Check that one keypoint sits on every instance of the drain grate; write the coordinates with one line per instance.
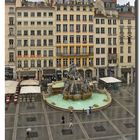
(99, 128)
(31, 119)
(67, 132)
(129, 125)
(33, 134)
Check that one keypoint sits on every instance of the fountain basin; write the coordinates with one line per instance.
(96, 101)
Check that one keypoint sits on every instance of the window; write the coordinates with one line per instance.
(121, 21)
(25, 63)
(65, 50)
(65, 17)
(97, 40)
(71, 18)
(65, 8)
(58, 50)
(32, 63)
(97, 21)
(19, 23)
(84, 18)
(102, 61)
(58, 62)
(19, 64)
(11, 41)
(102, 21)
(71, 27)
(97, 50)
(78, 62)
(19, 53)
(109, 41)
(129, 59)
(102, 50)
(90, 39)
(32, 14)
(84, 28)
(84, 38)
(44, 42)
(50, 23)
(129, 30)
(11, 57)
(39, 53)
(91, 50)
(110, 50)
(38, 42)
(78, 8)
(90, 28)
(32, 23)
(71, 61)
(129, 21)
(109, 21)
(78, 28)
(102, 40)
(71, 50)
(25, 22)
(84, 61)
(121, 59)
(19, 43)
(44, 23)
(50, 14)
(114, 31)
(71, 8)
(11, 20)
(50, 32)
(44, 32)
(58, 8)
(25, 32)
(58, 39)
(58, 17)
(102, 30)
(32, 32)
(38, 63)
(84, 8)
(84, 50)
(25, 43)
(19, 14)
(64, 27)
(51, 42)
(129, 40)
(78, 50)
(65, 62)
(78, 38)
(25, 14)
(77, 17)
(32, 53)
(114, 41)
(45, 63)
(32, 43)
(114, 21)
(97, 30)
(58, 27)
(114, 50)
(44, 14)
(25, 53)
(90, 61)
(121, 40)
(38, 14)
(129, 49)
(97, 61)
(50, 63)
(11, 31)
(38, 23)
(121, 49)
(44, 53)
(90, 18)
(65, 39)
(71, 39)
(109, 31)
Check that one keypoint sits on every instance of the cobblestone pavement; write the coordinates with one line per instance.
(117, 122)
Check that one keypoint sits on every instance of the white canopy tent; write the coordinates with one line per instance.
(10, 87)
(110, 80)
(30, 89)
(29, 82)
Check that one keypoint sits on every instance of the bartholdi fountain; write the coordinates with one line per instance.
(76, 93)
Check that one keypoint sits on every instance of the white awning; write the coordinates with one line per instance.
(30, 89)
(29, 82)
(10, 87)
(110, 80)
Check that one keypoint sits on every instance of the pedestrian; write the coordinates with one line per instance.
(63, 119)
(70, 125)
(28, 131)
(87, 112)
(89, 109)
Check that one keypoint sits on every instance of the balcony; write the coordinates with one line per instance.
(11, 13)
(11, 35)
(74, 54)
(112, 56)
(11, 47)
(121, 43)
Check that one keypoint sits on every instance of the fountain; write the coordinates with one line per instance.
(76, 93)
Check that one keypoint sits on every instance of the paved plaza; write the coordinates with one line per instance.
(117, 122)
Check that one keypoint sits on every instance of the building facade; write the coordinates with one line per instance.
(44, 38)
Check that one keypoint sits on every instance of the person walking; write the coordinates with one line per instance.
(70, 125)
(87, 112)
